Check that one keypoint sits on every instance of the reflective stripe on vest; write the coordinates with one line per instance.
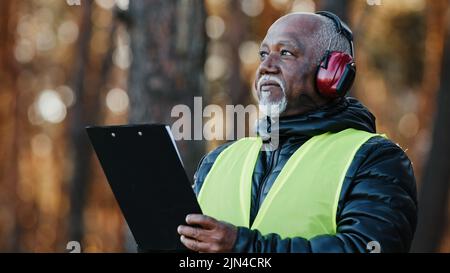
(303, 199)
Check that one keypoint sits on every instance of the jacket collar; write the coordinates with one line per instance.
(345, 113)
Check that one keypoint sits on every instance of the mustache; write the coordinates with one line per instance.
(267, 78)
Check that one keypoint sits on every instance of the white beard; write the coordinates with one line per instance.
(267, 106)
(271, 108)
(269, 111)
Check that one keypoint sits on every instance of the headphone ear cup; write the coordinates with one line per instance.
(347, 79)
(335, 74)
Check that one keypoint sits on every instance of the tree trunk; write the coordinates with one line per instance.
(436, 30)
(168, 51)
(238, 89)
(10, 116)
(436, 176)
(80, 148)
(88, 82)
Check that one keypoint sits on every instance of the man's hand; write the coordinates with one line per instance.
(210, 235)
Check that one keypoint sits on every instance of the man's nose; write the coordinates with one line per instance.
(270, 65)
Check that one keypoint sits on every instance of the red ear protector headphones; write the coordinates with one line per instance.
(337, 70)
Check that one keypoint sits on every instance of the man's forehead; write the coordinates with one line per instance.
(286, 38)
(292, 36)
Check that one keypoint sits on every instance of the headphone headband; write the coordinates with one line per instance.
(342, 28)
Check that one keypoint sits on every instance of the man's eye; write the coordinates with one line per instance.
(263, 54)
(286, 53)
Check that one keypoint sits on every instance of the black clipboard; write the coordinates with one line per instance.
(145, 172)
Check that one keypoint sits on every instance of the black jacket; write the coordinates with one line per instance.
(378, 197)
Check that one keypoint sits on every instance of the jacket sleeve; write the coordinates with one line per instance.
(377, 204)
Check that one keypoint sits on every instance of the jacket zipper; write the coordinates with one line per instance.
(261, 188)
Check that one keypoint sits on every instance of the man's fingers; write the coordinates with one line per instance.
(211, 236)
(191, 232)
(202, 220)
(195, 245)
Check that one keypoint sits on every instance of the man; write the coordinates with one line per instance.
(339, 186)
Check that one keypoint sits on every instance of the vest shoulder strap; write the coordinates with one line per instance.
(226, 183)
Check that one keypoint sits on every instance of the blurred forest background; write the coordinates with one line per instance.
(64, 66)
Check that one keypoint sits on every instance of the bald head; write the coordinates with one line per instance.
(290, 54)
(316, 29)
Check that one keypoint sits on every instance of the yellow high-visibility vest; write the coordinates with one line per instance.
(303, 200)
